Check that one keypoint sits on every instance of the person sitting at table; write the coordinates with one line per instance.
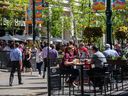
(110, 52)
(98, 59)
(83, 51)
(67, 66)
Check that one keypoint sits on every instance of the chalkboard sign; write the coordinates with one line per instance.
(55, 79)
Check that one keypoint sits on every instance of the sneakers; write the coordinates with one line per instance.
(20, 83)
(39, 75)
(10, 84)
(75, 84)
(43, 76)
(10, 81)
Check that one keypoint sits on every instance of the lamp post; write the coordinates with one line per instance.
(108, 23)
(33, 23)
(46, 4)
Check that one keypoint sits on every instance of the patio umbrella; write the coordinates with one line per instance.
(58, 40)
(10, 38)
(26, 37)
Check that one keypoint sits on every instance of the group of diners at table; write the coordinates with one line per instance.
(93, 60)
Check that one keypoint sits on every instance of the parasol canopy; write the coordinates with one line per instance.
(27, 37)
(8, 37)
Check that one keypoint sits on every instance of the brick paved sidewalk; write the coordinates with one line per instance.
(33, 85)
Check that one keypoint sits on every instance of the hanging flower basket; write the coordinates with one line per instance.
(93, 32)
(122, 32)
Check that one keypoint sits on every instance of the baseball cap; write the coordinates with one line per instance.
(107, 46)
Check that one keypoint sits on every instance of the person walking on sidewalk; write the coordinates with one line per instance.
(45, 57)
(16, 60)
(53, 55)
(39, 60)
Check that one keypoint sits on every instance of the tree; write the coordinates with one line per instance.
(13, 10)
(56, 25)
(55, 14)
(82, 15)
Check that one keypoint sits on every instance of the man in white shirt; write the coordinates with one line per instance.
(110, 52)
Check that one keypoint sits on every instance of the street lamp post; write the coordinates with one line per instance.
(33, 25)
(46, 4)
(108, 23)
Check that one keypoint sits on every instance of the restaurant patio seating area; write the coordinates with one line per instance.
(112, 79)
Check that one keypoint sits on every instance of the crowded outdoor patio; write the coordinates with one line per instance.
(79, 46)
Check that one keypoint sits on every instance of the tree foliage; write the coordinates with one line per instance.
(13, 10)
(56, 21)
(83, 15)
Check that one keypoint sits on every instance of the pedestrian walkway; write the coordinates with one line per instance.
(33, 85)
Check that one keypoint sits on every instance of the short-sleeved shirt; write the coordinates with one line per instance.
(53, 53)
(83, 53)
(67, 57)
(16, 55)
(45, 52)
(99, 59)
(110, 53)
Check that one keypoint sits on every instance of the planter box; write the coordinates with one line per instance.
(117, 62)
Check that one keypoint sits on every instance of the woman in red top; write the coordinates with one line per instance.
(67, 65)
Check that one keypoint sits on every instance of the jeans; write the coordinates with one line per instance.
(38, 65)
(15, 67)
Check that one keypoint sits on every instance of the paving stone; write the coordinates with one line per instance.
(33, 85)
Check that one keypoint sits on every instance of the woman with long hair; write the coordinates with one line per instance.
(26, 60)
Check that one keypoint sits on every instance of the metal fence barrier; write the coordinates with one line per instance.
(60, 87)
(5, 60)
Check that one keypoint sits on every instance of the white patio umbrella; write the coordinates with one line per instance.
(26, 37)
(10, 38)
(58, 40)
